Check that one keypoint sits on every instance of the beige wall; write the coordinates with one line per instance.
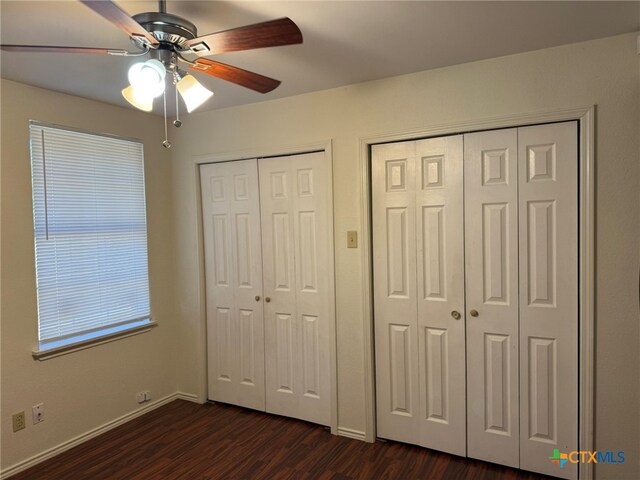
(603, 72)
(85, 389)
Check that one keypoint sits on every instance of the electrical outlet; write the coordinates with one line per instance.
(143, 396)
(37, 412)
(18, 421)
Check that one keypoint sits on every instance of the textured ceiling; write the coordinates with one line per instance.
(345, 42)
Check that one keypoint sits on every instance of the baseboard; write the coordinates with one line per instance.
(189, 397)
(350, 433)
(52, 452)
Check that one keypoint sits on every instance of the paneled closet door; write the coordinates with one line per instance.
(491, 257)
(233, 265)
(440, 275)
(296, 239)
(548, 198)
(393, 176)
(419, 292)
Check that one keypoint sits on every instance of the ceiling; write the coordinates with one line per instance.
(345, 42)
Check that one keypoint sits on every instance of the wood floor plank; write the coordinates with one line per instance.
(184, 440)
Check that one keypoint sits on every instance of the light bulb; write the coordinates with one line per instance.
(138, 98)
(148, 77)
(192, 92)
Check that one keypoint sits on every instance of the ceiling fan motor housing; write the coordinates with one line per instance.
(171, 31)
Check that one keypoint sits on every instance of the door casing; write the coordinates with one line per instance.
(586, 262)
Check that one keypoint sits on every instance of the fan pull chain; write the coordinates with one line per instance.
(177, 122)
(166, 143)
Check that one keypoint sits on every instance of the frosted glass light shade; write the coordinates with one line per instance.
(148, 77)
(138, 98)
(192, 92)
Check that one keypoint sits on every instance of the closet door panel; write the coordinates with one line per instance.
(312, 251)
(491, 257)
(440, 293)
(548, 200)
(395, 294)
(233, 268)
(294, 201)
(281, 328)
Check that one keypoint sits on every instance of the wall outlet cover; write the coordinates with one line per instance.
(18, 421)
(37, 413)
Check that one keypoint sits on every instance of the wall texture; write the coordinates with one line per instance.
(602, 72)
(85, 389)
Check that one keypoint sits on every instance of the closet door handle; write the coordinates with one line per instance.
(257, 298)
(267, 299)
(474, 313)
(455, 314)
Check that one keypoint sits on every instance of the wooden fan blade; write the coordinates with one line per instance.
(122, 20)
(266, 34)
(56, 49)
(236, 75)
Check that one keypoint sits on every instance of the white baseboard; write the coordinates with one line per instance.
(350, 433)
(52, 452)
(189, 397)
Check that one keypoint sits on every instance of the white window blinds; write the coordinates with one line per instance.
(90, 234)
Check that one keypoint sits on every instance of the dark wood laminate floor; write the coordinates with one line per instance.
(183, 440)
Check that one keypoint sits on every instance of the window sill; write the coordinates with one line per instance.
(56, 351)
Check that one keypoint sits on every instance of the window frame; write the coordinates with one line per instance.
(82, 340)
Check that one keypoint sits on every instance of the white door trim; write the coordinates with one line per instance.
(259, 153)
(586, 117)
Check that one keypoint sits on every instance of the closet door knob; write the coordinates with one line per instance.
(267, 299)
(474, 313)
(456, 315)
(257, 298)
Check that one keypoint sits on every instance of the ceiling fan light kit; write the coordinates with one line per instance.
(192, 92)
(148, 77)
(166, 38)
(138, 99)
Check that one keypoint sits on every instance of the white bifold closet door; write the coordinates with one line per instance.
(296, 240)
(548, 208)
(521, 234)
(268, 245)
(419, 292)
(233, 266)
(491, 271)
(501, 383)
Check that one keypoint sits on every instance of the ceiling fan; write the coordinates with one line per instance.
(165, 38)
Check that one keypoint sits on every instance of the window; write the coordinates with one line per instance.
(90, 237)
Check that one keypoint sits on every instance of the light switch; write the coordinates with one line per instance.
(352, 239)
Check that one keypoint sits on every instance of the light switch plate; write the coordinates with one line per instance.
(352, 239)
